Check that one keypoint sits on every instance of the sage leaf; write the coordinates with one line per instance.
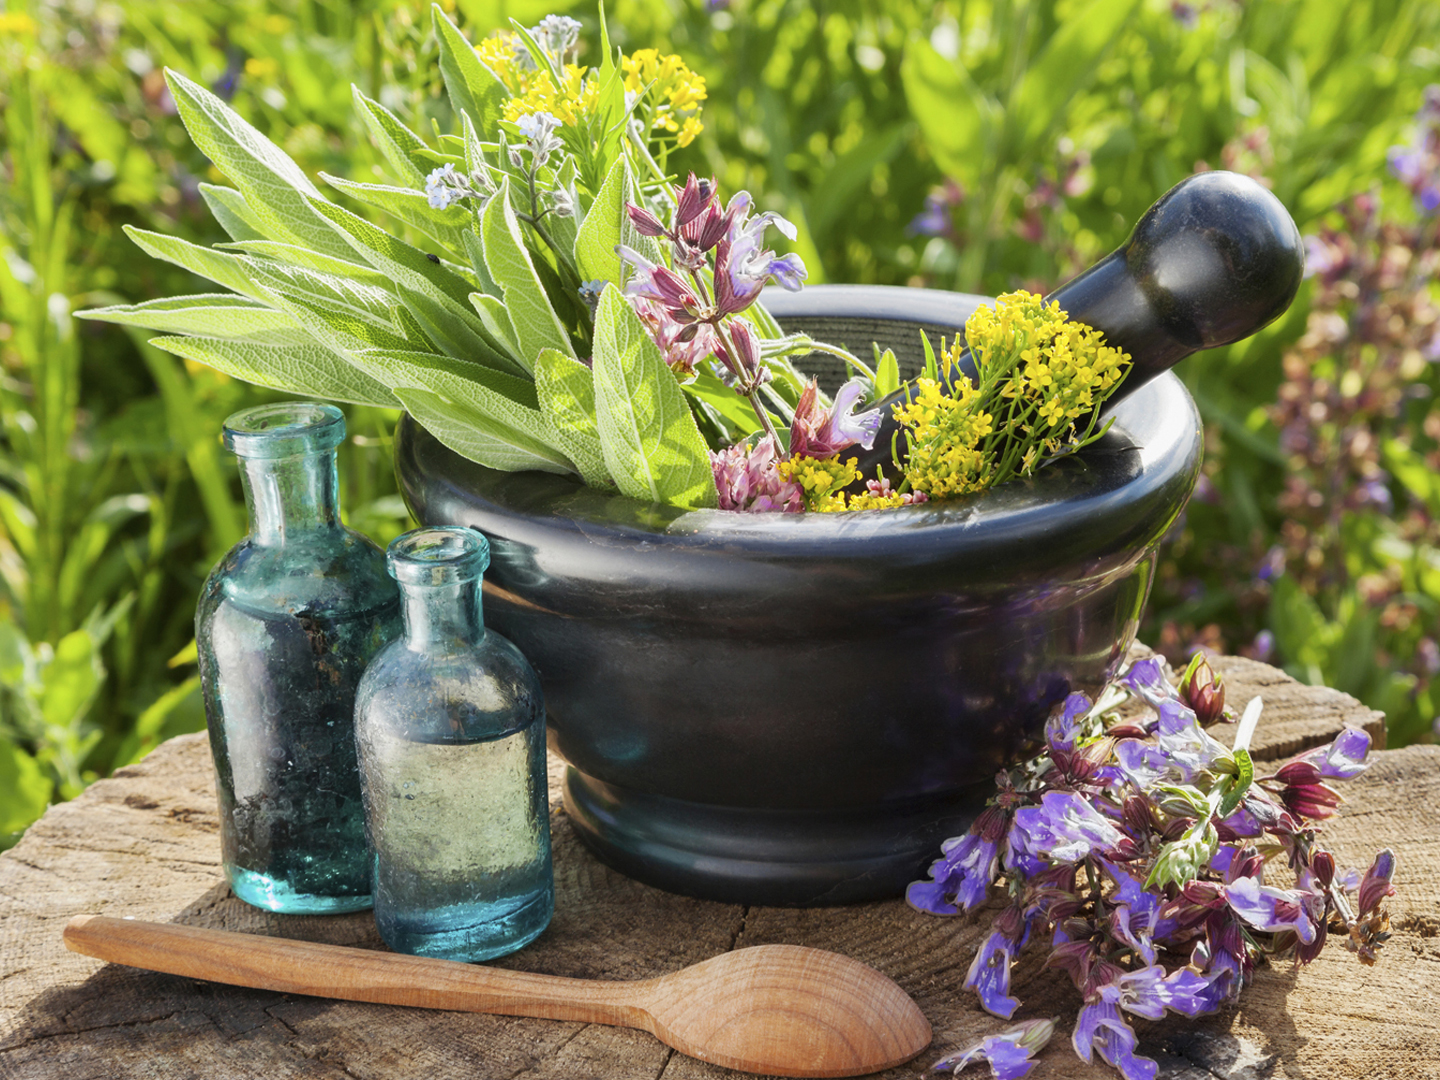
(401, 262)
(566, 389)
(230, 209)
(536, 324)
(606, 225)
(354, 299)
(464, 339)
(410, 206)
(464, 431)
(482, 414)
(396, 141)
(294, 255)
(473, 87)
(222, 315)
(297, 368)
(275, 188)
(651, 444)
(496, 319)
(232, 271)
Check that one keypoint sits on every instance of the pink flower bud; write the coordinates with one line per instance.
(1203, 690)
(1376, 886)
(646, 223)
(1323, 866)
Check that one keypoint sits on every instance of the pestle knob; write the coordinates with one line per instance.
(1214, 260)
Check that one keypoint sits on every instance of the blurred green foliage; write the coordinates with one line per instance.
(970, 144)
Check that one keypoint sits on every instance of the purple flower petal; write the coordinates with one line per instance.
(1065, 828)
(1009, 1053)
(1100, 1027)
(1267, 908)
(964, 874)
(1061, 730)
(1343, 759)
(989, 975)
(1149, 992)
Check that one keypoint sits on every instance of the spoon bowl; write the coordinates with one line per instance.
(777, 1009)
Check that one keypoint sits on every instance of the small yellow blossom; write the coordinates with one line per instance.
(676, 91)
(16, 24)
(823, 482)
(1038, 373)
(570, 103)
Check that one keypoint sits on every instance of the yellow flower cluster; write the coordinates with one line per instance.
(1056, 371)
(866, 501)
(677, 90)
(822, 481)
(498, 52)
(945, 432)
(569, 104)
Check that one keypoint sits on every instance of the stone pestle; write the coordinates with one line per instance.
(1214, 260)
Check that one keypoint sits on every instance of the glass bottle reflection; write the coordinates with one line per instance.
(285, 626)
(450, 724)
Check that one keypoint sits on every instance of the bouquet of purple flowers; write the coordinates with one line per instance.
(1140, 848)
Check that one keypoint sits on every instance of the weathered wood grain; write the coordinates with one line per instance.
(144, 843)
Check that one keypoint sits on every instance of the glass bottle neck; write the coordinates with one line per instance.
(290, 495)
(441, 615)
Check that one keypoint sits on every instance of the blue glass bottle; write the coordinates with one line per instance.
(450, 723)
(286, 624)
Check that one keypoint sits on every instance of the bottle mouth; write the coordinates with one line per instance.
(288, 429)
(443, 555)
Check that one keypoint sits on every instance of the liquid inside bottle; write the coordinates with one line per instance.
(286, 624)
(450, 726)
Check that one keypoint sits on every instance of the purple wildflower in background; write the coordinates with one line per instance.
(1417, 164)
(934, 220)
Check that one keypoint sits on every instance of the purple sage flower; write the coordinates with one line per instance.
(818, 432)
(1343, 759)
(743, 265)
(1268, 908)
(962, 878)
(1100, 1027)
(1066, 828)
(1149, 992)
(746, 480)
(989, 975)
(1062, 729)
(1147, 679)
(1008, 1053)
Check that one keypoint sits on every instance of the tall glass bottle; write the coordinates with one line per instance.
(285, 626)
(450, 723)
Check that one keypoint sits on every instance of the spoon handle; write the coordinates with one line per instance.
(333, 971)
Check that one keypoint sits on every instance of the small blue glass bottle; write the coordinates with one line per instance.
(450, 723)
(285, 626)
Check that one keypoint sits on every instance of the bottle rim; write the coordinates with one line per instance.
(286, 429)
(438, 555)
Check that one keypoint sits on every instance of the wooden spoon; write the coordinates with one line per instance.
(777, 1009)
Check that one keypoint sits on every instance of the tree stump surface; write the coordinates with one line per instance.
(145, 844)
